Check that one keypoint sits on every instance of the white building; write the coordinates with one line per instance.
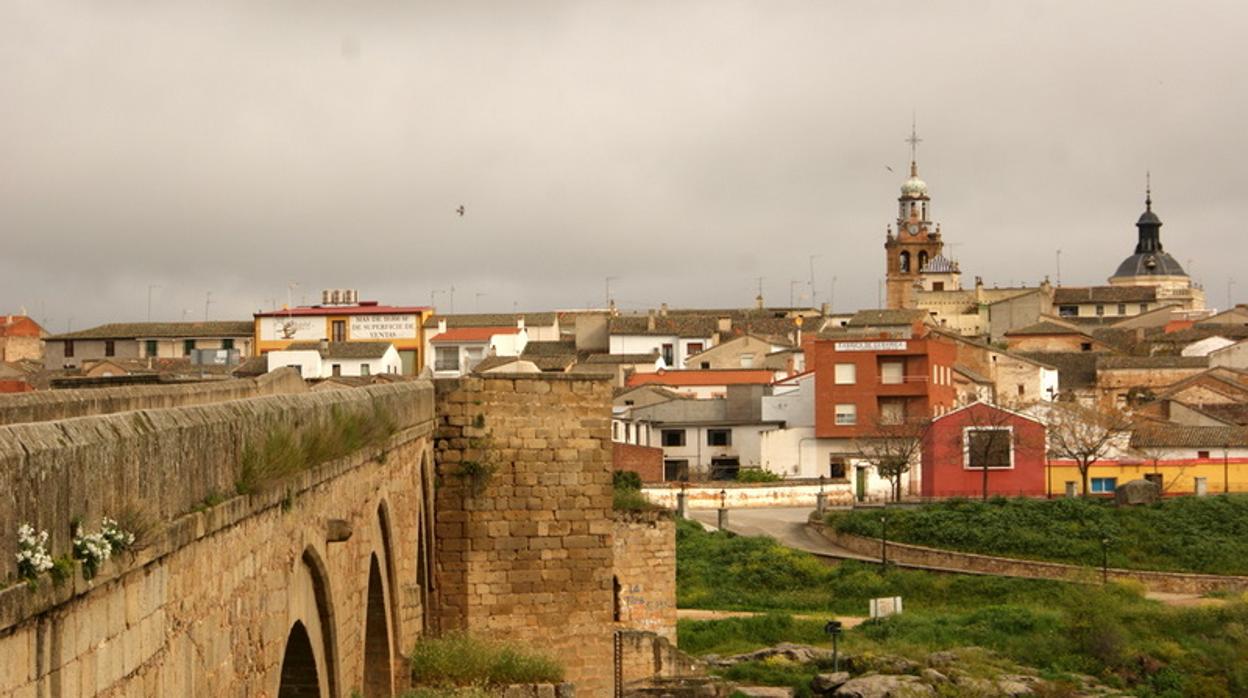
(456, 351)
(329, 359)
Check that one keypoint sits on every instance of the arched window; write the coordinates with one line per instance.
(922, 261)
(905, 261)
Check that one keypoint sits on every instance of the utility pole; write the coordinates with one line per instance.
(1059, 266)
(149, 300)
(1230, 283)
(832, 295)
(792, 285)
(451, 302)
(207, 302)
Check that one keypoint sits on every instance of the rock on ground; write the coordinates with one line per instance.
(825, 684)
(885, 686)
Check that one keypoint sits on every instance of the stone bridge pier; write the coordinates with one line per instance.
(284, 546)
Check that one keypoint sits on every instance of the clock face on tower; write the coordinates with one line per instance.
(913, 228)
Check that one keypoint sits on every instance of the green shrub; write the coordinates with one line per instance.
(757, 475)
(461, 660)
(625, 480)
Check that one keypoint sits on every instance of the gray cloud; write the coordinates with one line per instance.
(684, 148)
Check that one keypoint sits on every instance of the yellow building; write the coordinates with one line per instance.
(342, 317)
(1182, 459)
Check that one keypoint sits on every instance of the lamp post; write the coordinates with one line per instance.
(833, 629)
(682, 500)
(723, 510)
(1105, 560)
(883, 543)
(820, 506)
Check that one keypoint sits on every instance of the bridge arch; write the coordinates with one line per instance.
(313, 632)
(378, 660)
(300, 673)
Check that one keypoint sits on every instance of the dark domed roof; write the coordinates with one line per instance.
(1148, 218)
(1150, 264)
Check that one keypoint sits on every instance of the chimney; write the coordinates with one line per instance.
(324, 346)
(520, 322)
(663, 309)
(824, 309)
(441, 325)
(650, 321)
(758, 301)
(724, 324)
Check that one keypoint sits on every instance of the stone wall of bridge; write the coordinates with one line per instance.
(320, 580)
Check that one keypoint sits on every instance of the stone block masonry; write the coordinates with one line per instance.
(524, 519)
(645, 572)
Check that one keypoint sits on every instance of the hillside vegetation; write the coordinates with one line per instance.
(1183, 534)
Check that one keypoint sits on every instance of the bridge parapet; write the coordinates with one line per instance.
(168, 462)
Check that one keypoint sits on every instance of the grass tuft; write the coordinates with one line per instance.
(461, 660)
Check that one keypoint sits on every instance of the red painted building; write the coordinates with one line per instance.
(862, 383)
(959, 445)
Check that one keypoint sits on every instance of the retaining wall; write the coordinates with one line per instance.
(740, 495)
(645, 571)
(920, 556)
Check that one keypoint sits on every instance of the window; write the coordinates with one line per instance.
(151, 347)
(1122, 308)
(365, 370)
(337, 369)
(1068, 311)
(669, 355)
(673, 437)
(846, 374)
(836, 468)
(693, 348)
(1100, 310)
(227, 344)
(1021, 390)
(938, 285)
(1104, 484)
(615, 431)
(904, 260)
(676, 470)
(892, 372)
(1202, 454)
(747, 361)
(1085, 346)
(892, 411)
(110, 347)
(706, 364)
(339, 330)
(446, 359)
(188, 347)
(718, 437)
(628, 433)
(988, 448)
(1143, 307)
(846, 414)
(69, 348)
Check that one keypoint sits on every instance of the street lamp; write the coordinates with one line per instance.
(1105, 560)
(883, 542)
(833, 629)
(723, 499)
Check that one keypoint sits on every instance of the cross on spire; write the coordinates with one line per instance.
(913, 140)
(1148, 190)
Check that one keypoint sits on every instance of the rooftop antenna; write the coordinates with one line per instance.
(607, 283)
(1230, 283)
(832, 295)
(451, 302)
(812, 279)
(793, 284)
(207, 302)
(1059, 266)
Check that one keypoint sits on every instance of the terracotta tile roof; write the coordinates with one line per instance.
(343, 350)
(163, 330)
(491, 319)
(255, 366)
(622, 358)
(1045, 327)
(685, 326)
(1235, 412)
(886, 317)
(1068, 295)
(1075, 369)
(1162, 436)
(546, 348)
(491, 362)
(473, 334)
(688, 379)
(1112, 363)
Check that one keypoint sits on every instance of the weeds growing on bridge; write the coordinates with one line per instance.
(285, 451)
(461, 660)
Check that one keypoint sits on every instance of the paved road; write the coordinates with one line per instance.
(786, 525)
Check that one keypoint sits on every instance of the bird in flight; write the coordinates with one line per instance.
(460, 210)
(888, 168)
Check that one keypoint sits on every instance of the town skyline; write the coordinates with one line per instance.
(684, 163)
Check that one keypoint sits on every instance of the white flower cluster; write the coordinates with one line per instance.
(118, 539)
(32, 558)
(92, 549)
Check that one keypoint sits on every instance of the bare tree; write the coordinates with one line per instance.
(892, 447)
(1084, 434)
(1146, 446)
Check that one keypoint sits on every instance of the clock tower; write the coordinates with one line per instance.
(917, 239)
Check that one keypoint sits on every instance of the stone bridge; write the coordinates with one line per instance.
(284, 539)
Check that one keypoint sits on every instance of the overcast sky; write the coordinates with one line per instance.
(684, 148)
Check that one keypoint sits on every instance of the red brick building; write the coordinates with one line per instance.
(861, 383)
(960, 445)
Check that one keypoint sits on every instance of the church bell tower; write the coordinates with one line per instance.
(917, 239)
